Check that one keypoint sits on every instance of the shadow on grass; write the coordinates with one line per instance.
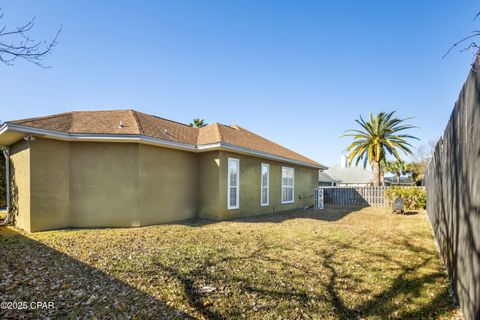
(330, 213)
(406, 286)
(30, 265)
(32, 272)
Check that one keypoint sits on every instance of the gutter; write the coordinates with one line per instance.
(149, 140)
(261, 154)
(6, 153)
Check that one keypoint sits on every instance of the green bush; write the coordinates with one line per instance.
(414, 198)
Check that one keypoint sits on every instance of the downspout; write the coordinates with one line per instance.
(6, 154)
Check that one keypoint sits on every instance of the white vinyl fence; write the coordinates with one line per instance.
(355, 196)
(319, 198)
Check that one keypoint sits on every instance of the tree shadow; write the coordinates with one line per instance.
(408, 283)
(333, 213)
(34, 272)
(30, 265)
(330, 213)
(382, 304)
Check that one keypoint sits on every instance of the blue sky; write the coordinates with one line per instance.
(296, 72)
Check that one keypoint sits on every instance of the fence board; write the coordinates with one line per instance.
(453, 196)
(355, 196)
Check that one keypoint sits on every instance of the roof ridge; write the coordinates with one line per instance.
(139, 125)
(219, 132)
(152, 115)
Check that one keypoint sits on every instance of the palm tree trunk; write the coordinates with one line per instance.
(376, 173)
(398, 179)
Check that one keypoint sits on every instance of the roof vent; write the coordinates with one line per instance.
(165, 131)
(121, 125)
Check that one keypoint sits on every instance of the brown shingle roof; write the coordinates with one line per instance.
(138, 123)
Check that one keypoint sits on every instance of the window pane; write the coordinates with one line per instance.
(233, 180)
(290, 194)
(233, 197)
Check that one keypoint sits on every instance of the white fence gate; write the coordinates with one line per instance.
(319, 198)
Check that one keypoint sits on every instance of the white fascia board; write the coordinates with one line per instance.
(3, 128)
(149, 140)
(260, 154)
(98, 137)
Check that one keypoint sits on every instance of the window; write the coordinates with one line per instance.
(233, 192)
(288, 185)
(264, 184)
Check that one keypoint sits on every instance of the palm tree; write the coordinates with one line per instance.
(377, 137)
(397, 168)
(197, 122)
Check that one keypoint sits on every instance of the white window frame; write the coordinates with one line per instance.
(267, 186)
(289, 187)
(237, 186)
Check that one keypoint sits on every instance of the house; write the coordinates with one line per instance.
(326, 180)
(125, 168)
(345, 176)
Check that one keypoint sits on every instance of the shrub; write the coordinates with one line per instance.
(414, 198)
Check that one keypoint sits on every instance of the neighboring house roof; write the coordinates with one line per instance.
(349, 175)
(134, 123)
(325, 177)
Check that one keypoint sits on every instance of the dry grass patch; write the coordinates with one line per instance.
(336, 263)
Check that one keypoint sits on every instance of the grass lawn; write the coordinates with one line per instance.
(333, 264)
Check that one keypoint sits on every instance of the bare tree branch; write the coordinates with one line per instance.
(472, 45)
(16, 43)
(476, 33)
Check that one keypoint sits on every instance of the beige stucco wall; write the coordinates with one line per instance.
(20, 183)
(208, 184)
(168, 185)
(49, 184)
(104, 184)
(306, 180)
(83, 184)
(92, 184)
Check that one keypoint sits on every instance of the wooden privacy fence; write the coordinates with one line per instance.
(355, 196)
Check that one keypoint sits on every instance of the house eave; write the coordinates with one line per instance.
(241, 150)
(22, 131)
